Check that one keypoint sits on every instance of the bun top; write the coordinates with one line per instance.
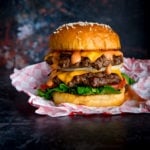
(84, 36)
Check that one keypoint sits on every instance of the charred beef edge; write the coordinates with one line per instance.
(92, 79)
(102, 61)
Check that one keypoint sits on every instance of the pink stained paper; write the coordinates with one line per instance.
(31, 77)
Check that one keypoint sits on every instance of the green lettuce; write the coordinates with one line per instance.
(79, 90)
(129, 80)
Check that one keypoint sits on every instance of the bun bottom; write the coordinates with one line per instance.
(90, 100)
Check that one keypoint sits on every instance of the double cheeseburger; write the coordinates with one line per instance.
(85, 59)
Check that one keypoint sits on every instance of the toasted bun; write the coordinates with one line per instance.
(91, 100)
(84, 36)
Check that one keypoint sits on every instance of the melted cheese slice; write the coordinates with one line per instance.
(68, 76)
(93, 55)
(116, 71)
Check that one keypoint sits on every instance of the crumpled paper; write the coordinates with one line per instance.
(31, 77)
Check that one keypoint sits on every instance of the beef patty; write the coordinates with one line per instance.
(102, 61)
(92, 79)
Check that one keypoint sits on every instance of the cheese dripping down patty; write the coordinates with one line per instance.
(92, 55)
(67, 74)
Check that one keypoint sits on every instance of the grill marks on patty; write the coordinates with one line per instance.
(102, 61)
(92, 79)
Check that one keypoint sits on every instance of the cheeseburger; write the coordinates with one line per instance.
(85, 59)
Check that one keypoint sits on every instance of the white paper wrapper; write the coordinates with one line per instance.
(31, 77)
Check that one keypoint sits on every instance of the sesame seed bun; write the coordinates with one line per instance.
(84, 36)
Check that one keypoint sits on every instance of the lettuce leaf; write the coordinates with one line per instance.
(47, 94)
(79, 90)
(129, 80)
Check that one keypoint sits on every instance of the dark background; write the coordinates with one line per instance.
(26, 24)
(24, 29)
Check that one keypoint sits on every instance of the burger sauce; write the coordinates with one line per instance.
(76, 57)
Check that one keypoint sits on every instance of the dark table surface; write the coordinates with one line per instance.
(21, 128)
